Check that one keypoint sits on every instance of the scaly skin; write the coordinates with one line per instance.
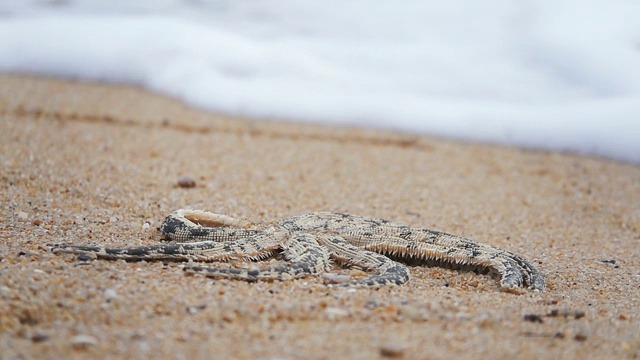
(309, 241)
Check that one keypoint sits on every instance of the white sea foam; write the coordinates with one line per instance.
(549, 74)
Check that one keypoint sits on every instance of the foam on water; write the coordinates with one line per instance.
(562, 75)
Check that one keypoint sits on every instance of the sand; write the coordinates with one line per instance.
(98, 164)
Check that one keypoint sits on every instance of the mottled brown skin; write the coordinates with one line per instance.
(308, 243)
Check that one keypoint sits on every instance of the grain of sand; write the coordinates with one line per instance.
(98, 164)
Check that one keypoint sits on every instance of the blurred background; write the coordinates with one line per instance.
(560, 75)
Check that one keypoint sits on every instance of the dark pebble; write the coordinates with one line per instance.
(576, 314)
(607, 261)
(39, 337)
(83, 257)
(580, 337)
(533, 318)
(186, 182)
(391, 350)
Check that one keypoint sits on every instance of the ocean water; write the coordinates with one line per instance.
(546, 74)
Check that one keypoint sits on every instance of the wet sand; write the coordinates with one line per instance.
(98, 164)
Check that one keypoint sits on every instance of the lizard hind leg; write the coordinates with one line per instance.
(302, 252)
(387, 271)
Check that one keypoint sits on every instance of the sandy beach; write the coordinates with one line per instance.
(98, 164)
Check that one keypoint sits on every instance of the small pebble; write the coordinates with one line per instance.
(607, 261)
(332, 278)
(39, 337)
(37, 222)
(186, 182)
(576, 314)
(195, 309)
(548, 301)
(335, 313)
(533, 318)
(391, 350)
(83, 341)
(146, 226)
(22, 216)
(580, 337)
(110, 294)
(286, 277)
(86, 257)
